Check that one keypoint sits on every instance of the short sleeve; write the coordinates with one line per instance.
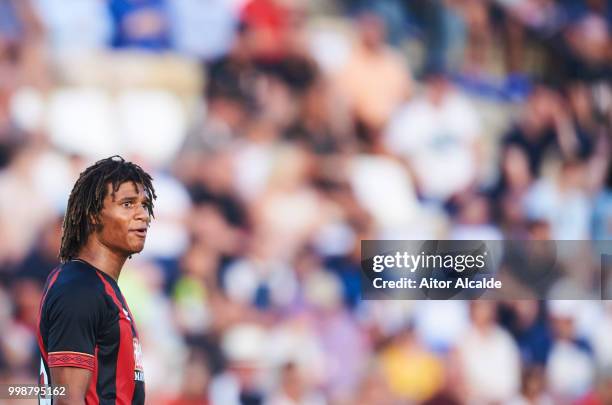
(73, 318)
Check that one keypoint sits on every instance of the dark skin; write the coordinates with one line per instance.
(124, 220)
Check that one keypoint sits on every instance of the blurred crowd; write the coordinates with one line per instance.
(279, 134)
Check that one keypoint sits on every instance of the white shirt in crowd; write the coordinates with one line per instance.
(438, 142)
(490, 364)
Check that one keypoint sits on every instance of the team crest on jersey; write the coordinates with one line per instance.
(138, 369)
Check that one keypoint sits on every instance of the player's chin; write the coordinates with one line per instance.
(137, 246)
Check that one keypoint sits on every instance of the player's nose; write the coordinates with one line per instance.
(142, 214)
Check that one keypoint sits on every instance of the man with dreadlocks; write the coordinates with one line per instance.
(86, 332)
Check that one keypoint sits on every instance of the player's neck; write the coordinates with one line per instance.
(102, 258)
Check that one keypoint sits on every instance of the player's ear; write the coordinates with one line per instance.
(95, 222)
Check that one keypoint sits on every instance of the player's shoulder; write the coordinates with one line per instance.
(75, 295)
(75, 281)
(78, 274)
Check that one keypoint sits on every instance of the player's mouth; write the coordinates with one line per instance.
(140, 232)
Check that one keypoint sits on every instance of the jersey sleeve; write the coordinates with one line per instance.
(73, 323)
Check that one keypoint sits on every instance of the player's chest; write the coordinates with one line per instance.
(118, 343)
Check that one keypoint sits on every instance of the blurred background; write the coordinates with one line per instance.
(279, 134)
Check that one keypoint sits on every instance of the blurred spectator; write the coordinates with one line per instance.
(438, 135)
(584, 48)
(321, 126)
(442, 399)
(375, 79)
(543, 129)
(226, 110)
(533, 389)
(260, 280)
(586, 123)
(18, 341)
(510, 190)
(21, 52)
(203, 30)
(194, 288)
(413, 373)
(601, 393)
(374, 389)
(445, 32)
(241, 383)
(527, 322)
(140, 24)
(290, 210)
(602, 218)
(21, 223)
(474, 219)
(570, 368)
(345, 348)
(194, 390)
(266, 24)
(486, 347)
(293, 390)
(603, 352)
(26, 295)
(562, 202)
(77, 26)
(438, 323)
(44, 257)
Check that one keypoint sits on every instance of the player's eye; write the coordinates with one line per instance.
(127, 204)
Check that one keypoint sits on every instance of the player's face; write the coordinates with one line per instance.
(125, 218)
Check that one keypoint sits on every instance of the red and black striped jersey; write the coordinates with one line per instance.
(85, 322)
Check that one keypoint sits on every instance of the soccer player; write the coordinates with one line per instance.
(86, 333)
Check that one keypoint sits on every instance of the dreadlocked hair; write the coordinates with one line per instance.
(87, 200)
